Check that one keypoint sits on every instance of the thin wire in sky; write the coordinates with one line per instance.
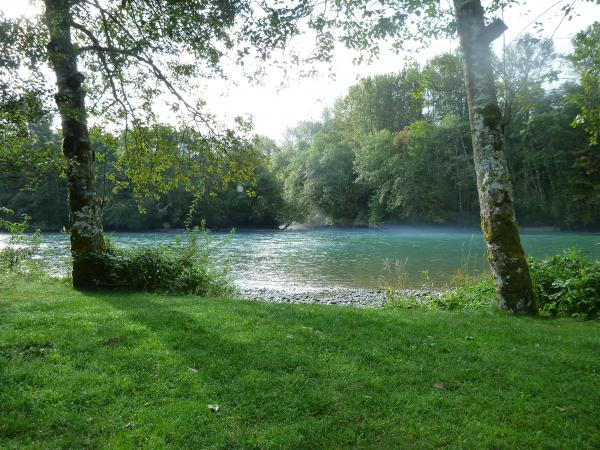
(534, 20)
(567, 12)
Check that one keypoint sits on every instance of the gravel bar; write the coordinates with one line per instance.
(360, 298)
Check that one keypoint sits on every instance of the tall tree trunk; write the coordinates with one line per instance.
(85, 218)
(514, 288)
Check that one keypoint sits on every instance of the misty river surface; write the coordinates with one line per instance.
(345, 257)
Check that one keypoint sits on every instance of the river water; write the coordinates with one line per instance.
(354, 258)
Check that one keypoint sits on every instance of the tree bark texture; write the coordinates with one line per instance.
(512, 279)
(84, 207)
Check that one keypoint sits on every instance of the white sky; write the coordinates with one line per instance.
(274, 110)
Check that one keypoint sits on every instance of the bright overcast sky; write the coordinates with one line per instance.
(274, 109)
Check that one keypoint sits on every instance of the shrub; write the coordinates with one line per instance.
(187, 267)
(567, 284)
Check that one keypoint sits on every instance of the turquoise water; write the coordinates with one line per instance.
(346, 257)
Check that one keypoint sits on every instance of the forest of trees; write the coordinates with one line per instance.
(395, 149)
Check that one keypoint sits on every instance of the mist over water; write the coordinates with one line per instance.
(344, 256)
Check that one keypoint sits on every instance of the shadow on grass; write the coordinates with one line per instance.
(233, 341)
(180, 331)
(226, 343)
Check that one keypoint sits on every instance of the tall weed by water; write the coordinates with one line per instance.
(18, 254)
(394, 276)
(466, 272)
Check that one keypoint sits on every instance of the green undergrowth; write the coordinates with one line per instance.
(566, 285)
(189, 266)
(116, 370)
(17, 256)
(472, 294)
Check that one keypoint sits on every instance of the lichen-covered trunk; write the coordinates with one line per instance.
(514, 288)
(84, 207)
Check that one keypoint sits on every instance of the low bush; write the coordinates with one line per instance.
(567, 285)
(187, 267)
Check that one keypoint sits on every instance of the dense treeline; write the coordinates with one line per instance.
(395, 149)
(150, 188)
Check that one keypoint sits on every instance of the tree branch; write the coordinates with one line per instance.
(101, 56)
(493, 31)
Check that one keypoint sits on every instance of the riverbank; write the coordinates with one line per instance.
(153, 371)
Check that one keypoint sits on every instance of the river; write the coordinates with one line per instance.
(354, 258)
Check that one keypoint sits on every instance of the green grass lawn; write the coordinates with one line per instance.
(139, 370)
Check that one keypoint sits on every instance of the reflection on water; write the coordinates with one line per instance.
(344, 257)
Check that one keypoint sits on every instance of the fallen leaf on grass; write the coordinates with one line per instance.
(320, 334)
(111, 341)
(440, 386)
(38, 349)
(34, 348)
(317, 332)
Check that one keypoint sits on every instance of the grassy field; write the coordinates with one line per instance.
(137, 370)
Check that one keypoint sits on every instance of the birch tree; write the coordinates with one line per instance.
(512, 280)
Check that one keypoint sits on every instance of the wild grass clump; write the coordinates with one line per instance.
(187, 267)
(476, 293)
(394, 276)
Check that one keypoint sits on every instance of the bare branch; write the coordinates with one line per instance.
(102, 58)
(143, 58)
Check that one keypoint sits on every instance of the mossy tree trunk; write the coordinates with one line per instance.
(514, 288)
(84, 207)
